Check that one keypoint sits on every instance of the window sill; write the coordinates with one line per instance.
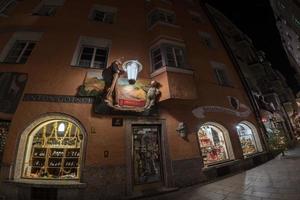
(48, 183)
(171, 69)
(249, 156)
(220, 164)
(163, 24)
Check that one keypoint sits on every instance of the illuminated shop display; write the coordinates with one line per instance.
(212, 144)
(247, 139)
(54, 151)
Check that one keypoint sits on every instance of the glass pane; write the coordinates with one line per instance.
(213, 145)
(47, 10)
(86, 56)
(27, 52)
(179, 57)
(156, 58)
(170, 57)
(170, 19)
(98, 15)
(247, 140)
(15, 52)
(109, 18)
(154, 17)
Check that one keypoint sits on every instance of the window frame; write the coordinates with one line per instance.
(162, 46)
(100, 43)
(223, 77)
(53, 3)
(21, 55)
(24, 36)
(92, 61)
(165, 13)
(106, 10)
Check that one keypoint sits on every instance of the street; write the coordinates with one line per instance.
(276, 179)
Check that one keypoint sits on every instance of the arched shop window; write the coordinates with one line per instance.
(249, 138)
(54, 150)
(215, 144)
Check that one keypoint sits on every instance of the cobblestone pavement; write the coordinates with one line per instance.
(276, 179)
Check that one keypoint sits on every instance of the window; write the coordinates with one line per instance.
(168, 55)
(91, 52)
(92, 57)
(47, 10)
(214, 144)
(207, 40)
(48, 7)
(161, 16)
(5, 5)
(249, 139)
(19, 47)
(196, 17)
(220, 73)
(54, 150)
(103, 14)
(20, 52)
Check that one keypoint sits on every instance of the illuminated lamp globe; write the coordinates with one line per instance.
(132, 68)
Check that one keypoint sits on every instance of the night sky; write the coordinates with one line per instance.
(256, 19)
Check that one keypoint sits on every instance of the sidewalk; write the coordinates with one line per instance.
(276, 179)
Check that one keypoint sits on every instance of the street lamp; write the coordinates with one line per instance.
(132, 68)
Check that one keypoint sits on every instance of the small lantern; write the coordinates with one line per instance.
(132, 68)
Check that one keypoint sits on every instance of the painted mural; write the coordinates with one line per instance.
(116, 95)
(11, 90)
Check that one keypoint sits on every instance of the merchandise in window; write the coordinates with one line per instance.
(54, 151)
(20, 52)
(100, 16)
(93, 57)
(161, 16)
(168, 55)
(212, 144)
(247, 139)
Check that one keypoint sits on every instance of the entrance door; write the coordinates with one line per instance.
(147, 161)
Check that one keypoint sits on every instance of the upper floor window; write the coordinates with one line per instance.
(161, 16)
(19, 47)
(196, 17)
(20, 52)
(94, 57)
(91, 53)
(220, 74)
(206, 40)
(48, 7)
(103, 14)
(168, 55)
(5, 5)
(46, 10)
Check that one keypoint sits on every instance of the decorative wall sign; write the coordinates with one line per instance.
(241, 111)
(118, 93)
(12, 86)
(117, 121)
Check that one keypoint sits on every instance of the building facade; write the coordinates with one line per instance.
(273, 98)
(106, 100)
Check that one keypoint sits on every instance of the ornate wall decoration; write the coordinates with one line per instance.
(118, 92)
(12, 86)
(240, 110)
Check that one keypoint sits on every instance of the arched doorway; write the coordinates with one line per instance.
(249, 139)
(51, 148)
(214, 143)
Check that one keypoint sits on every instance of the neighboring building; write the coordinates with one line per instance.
(288, 23)
(275, 100)
(81, 130)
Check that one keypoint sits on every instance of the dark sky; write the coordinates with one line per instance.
(256, 19)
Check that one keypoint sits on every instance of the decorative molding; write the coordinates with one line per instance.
(58, 98)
